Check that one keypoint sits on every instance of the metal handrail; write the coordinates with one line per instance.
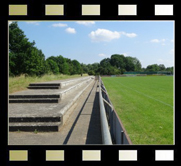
(117, 130)
(106, 136)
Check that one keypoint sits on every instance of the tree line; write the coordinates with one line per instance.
(26, 58)
(119, 64)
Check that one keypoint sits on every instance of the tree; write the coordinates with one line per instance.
(118, 61)
(91, 72)
(53, 67)
(153, 67)
(11, 63)
(85, 69)
(17, 39)
(129, 64)
(170, 69)
(105, 62)
(24, 57)
(162, 67)
(65, 68)
(76, 67)
(71, 67)
(136, 62)
(35, 62)
(59, 61)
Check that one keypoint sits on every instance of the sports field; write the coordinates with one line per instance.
(145, 106)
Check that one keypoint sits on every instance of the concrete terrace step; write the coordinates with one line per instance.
(44, 84)
(46, 96)
(35, 100)
(60, 84)
(33, 96)
(73, 88)
(43, 87)
(66, 83)
(40, 126)
(36, 119)
(35, 123)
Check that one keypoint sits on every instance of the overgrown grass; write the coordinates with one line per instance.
(21, 82)
(145, 106)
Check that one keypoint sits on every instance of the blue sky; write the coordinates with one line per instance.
(91, 41)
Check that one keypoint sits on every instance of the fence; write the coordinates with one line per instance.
(148, 72)
(115, 126)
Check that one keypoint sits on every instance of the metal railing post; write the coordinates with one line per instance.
(122, 135)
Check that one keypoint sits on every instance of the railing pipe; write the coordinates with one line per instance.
(106, 137)
(117, 129)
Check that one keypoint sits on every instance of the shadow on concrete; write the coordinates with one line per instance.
(94, 131)
(73, 126)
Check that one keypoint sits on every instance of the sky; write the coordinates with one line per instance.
(152, 42)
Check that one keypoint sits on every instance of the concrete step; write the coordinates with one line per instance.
(55, 84)
(40, 126)
(46, 96)
(43, 87)
(34, 100)
(33, 96)
(21, 119)
(44, 84)
(67, 83)
(62, 84)
(71, 89)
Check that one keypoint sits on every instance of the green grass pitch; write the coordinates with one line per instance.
(145, 106)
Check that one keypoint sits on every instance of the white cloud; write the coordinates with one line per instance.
(172, 40)
(70, 30)
(101, 55)
(59, 25)
(158, 41)
(33, 22)
(86, 23)
(106, 35)
(129, 34)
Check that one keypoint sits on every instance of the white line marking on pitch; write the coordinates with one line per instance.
(148, 96)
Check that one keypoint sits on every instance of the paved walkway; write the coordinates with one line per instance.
(82, 125)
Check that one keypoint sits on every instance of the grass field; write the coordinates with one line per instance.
(21, 82)
(145, 106)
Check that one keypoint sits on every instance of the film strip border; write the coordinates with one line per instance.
(90, 10)
(90, 155)
(101, 154)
